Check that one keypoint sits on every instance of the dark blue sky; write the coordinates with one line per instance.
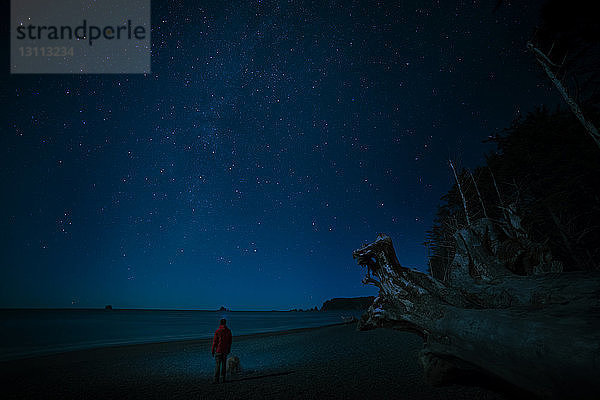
(270, 140)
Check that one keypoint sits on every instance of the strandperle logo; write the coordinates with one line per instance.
(80, 36)
(91, 33)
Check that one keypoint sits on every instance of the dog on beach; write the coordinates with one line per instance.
(233, 365)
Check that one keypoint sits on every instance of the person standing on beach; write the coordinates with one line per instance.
(220, 349)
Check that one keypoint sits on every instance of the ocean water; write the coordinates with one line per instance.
(26, 333)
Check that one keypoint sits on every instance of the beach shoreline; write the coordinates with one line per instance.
(327, 362)
(77, 348)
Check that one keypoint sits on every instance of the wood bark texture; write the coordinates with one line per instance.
(507, 314)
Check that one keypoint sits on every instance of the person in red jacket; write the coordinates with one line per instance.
(220, 349)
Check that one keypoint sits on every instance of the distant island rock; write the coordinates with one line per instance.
(108, 307)
(223, 309)
(351, 303)
(302, 310)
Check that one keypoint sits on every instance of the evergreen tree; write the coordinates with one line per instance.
(549, 170)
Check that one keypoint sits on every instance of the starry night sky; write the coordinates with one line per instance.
(270, 140)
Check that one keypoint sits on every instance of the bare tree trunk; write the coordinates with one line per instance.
(464, 201)
(496, 186)
(478, 194)
(538, 333)
(546, 64)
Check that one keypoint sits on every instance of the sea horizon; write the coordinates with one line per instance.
(40, 331)
(150, 309)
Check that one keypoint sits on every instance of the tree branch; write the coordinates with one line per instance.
(546, 64)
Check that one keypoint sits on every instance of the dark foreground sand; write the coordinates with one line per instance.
(334, 362)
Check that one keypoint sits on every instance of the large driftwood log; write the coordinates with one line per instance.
(538, 332)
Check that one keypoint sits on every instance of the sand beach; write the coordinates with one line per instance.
(334, 362)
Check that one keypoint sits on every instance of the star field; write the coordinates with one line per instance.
(269, 141)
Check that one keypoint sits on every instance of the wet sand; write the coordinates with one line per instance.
(335, 362)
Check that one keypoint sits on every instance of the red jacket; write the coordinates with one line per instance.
(222, 340)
